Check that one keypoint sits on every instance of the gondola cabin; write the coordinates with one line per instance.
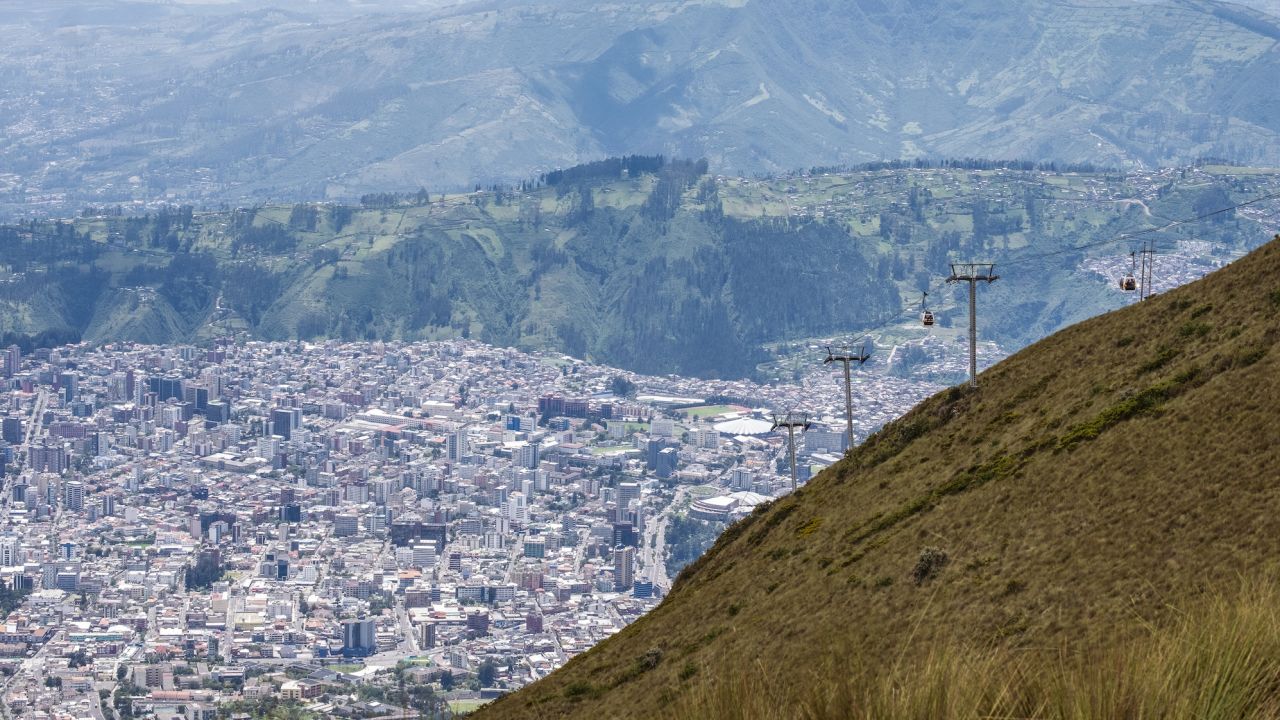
(1128, 283)
(927, 318)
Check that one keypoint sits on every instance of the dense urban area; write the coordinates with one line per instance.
(320, 526)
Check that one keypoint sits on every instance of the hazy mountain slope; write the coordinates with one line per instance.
(1271, 7)
(666, 272)
(1095, 482)
(140, 100)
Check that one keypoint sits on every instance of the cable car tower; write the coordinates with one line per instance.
(845, 355)
(1145, 279)
(791, 421)
(973, 273)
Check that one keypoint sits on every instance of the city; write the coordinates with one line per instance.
(312, 524)
(716, 360)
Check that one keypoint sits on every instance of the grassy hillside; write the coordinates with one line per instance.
(658, 271)
(1096, 485)
(1218, 661)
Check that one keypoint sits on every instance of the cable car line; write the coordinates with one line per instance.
(940, 284)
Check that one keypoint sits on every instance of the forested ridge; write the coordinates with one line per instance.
(641, 262)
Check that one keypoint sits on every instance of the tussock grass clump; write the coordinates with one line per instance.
(1163, 356)
(581, 690)
(931, 562)
(1221, 661)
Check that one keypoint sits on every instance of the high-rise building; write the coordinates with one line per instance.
(533, 622)
(424, 555)
(624, 535)
(165, 388)
(48, 458)
(68, 580)
(285, 420)
(60, 575)
(823, 439)
(527, 456)
(345, 524)
(707, 438)
(404, 530)
(668, 460)
(10, 549)
(356, 492)
(535, 547)
(662, 427)
(478, 624)
(624, 561)
(375, 521)
(11, 430)
(73, 496)
(12, 361)
(218, 411)
(517, 508)
(359, 638)
(381, 489)
(550, 405)
(456, 445)
(268, 447)
(652, 449)
(627, 493)
(69, 384)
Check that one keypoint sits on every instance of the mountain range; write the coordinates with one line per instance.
(116, 101)
(642, 263)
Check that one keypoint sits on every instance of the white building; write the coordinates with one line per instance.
(73, 495)
(662, 427)
(707, 438)
(10, 550)
(517, 509)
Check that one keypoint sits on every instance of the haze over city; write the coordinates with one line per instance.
(727, 359)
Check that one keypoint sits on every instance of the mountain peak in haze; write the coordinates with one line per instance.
(314, 102)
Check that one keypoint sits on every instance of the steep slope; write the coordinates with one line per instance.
(116, 101)
(1095, 482)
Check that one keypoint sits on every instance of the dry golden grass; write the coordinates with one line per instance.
(1221, 662)
(1096, 482)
